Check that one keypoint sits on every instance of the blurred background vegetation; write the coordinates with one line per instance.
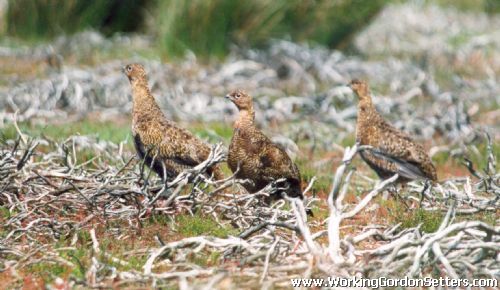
(205, 27)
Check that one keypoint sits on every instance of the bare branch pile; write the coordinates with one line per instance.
(52, 197)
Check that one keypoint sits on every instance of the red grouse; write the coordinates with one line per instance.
(393, 150)
(253, 156)
(163, 145)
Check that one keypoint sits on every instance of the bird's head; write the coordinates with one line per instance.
(241, 99)
(359, 87)
(134, 72)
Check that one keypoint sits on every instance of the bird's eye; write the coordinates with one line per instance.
(129, 68)
(238, 95)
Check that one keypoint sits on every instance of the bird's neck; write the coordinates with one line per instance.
(143, 101)
(366, 109)
(368, 117)
(245, 119)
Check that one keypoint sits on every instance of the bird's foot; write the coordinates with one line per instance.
(423, 193)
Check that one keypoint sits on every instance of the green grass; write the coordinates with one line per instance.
(489, 6)
(348, 141)
(479, 157)
(102, 131)
(159, 219)
(213, 132)
(108, 131)
(37, 19)
(441, 158)
(430, 220)
(81, 256)
(323, 181)
(115, 132)
(196, 225)
(47, 270)
(209, 27)
(398, 213)
(490, 218)
(78, 257)
(206, 27)
(4, 213)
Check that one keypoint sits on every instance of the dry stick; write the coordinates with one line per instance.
(335, 205)
(216, 155)
(97, 250)
(23, 138)
(28, 227)
(309, 186)
(26, 155)
(268, 257)
(95, 242)
(248, 232)
(185, 274)
(449, 216)
(126, 163)
(336, 197)
(364, 202)
(422, 250)
(436, 249)
(210, 285)
(300, 214)
(201, 241)
(460, 253)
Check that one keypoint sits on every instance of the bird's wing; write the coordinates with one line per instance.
(273, 162)
(186, 147)
(397, 147)
(254, 141)
(405, 168)
(277, 164)
(175, 144)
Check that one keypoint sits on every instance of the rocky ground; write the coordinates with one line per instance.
(76, 210)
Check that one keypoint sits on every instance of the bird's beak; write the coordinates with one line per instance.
(124, 70)
(228, 96)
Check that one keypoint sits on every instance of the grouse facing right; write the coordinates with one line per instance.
(393, 151)
(252, 154)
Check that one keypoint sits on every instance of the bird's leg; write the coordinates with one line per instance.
(194, 193)
(143, 163)
(164, 175)
(164, 187)
(400, 197)
(394, 190)
(389, 191)
(141, 169)
(279, 191)
(273, 191)
(427, 186)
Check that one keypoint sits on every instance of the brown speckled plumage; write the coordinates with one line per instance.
(258, 159)
(394, 151)
(176, 149)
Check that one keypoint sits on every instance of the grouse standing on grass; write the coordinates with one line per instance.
(253, 156)
(393, 151)
(165, 147)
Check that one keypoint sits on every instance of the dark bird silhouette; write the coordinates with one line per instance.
(163, 145)
(393, 150)
(257, 158)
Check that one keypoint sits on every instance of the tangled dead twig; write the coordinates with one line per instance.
(44, 196)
